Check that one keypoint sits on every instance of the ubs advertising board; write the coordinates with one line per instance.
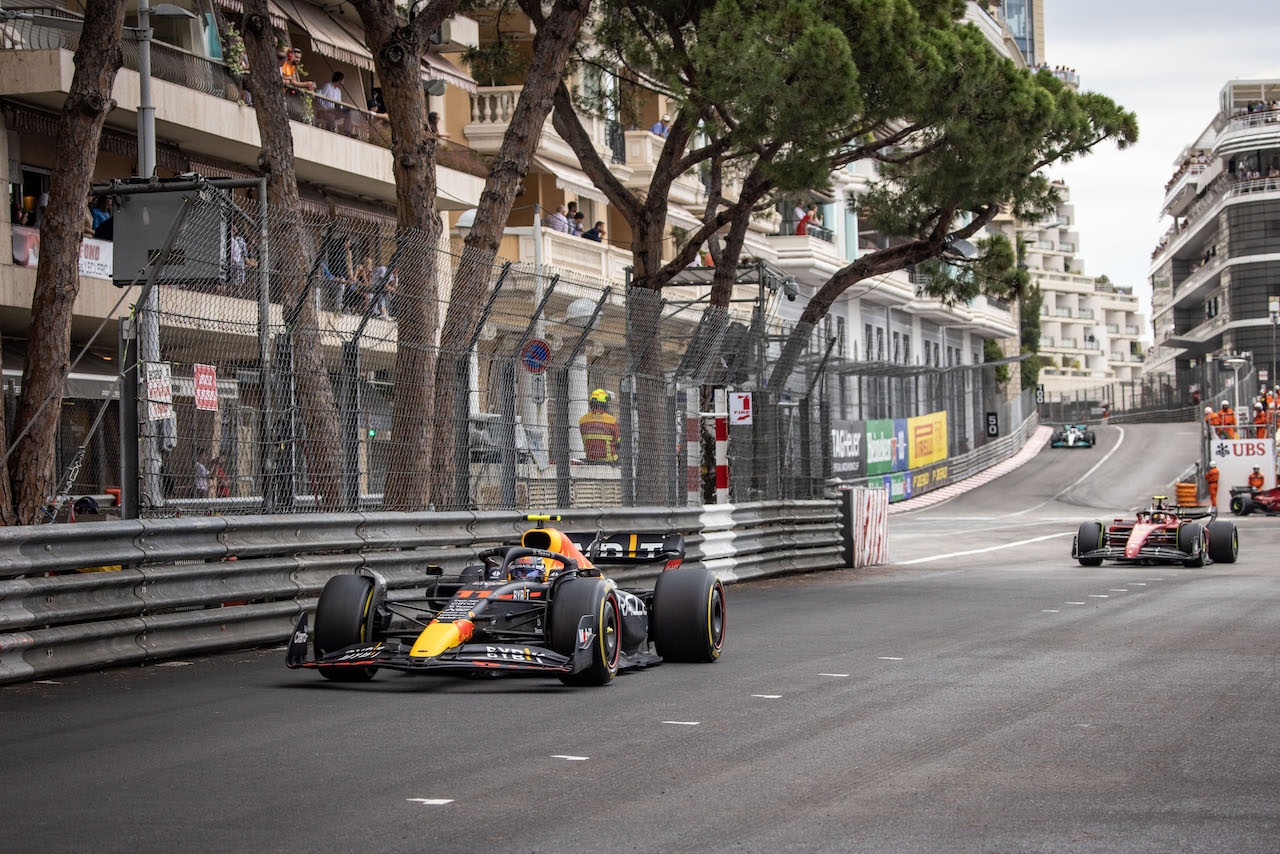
(907, 455)
(1235, 459)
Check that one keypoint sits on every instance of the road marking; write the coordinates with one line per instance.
(1079, 480)
(47, 682)
(570, 758)
(768, 696)
(1049, 610)
(683, 723)
(173, 664)
(840, 675)
(1077, 603)
(889, 658)
(987, 549)
(1099, 596)
(1155, 579)
(1117, 590)
(430, 802)
(1137, 583)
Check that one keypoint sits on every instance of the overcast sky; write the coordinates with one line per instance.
(1167, 61)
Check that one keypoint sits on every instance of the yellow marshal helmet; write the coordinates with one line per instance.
(600, 396)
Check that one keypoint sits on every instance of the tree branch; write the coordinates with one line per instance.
(428, 20)
(568, 124)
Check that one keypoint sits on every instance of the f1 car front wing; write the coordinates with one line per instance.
(471, 657)
(1155, 553)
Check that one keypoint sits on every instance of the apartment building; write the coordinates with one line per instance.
(1090, 328)
(1214, 270)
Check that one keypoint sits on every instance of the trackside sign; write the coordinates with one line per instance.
(1235, 459)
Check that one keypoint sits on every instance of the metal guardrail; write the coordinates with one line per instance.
(171, 587)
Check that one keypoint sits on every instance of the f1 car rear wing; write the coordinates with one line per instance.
(630, 547)
(1209, 512)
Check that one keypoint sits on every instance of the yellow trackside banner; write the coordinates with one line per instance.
(926, 439)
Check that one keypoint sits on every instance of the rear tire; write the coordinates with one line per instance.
(1190, 539)
(1224, 542)
(344, 617)
(1089, 539)
(575, 599)
(688, 615)
(1090, 438)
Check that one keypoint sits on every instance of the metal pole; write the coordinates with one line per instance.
(129, 418)
(146, 110)
(265, 380)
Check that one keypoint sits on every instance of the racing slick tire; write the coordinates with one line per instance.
(1224, 542)
(573, 600)
(1189, 540)
(688, 615)
(1241, 504)
(1089, 539)
(344, 617)
(1090, 438)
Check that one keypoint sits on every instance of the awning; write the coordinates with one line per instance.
(278, 19)
(436, 67)
(329, 36)
(571, 179)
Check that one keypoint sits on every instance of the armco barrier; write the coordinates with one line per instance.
(868, 535)
(201, 584)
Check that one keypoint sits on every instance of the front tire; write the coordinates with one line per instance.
(1224, 542)
(573, 600)
(1190, 539)
(1089, 539)
(1090, 438)
(344, 617)
(688, 615)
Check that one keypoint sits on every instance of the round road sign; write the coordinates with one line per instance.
(536, 355)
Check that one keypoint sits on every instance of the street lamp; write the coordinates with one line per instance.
(1273, 308)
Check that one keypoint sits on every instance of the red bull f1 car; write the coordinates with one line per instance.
(1073, 436)
(1246, 500)
(540, 607)
(1164, 534)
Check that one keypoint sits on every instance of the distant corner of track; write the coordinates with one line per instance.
(1034, 445)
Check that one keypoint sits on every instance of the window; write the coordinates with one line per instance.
(937, 356)
(879, 344)
(867, 348)
(906, 349)
(897, 347)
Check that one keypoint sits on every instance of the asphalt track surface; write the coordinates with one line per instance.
(997, 700)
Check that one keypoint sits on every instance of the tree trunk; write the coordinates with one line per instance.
(555, 40)
(58, 274)
(397, 55)
(290, 261)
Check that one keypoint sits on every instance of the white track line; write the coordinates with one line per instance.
(838, 675)
(889, 658)
(938, 496)
(570, 758)
(987, 549)
(683, 723)
(768, 696)
(1081, 479)
(430, 802)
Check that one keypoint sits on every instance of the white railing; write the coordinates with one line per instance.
(1253, 120)
(494, 105)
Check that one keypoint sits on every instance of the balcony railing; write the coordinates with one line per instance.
(1253, 120)
(1086, 313)
(789, 226)
(1113, 328)
(616, 137)
(1062, 312)
(1131, 330)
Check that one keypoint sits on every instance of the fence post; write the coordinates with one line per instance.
(722, 446)
(129, 417)
(349, 423)
(560, 435)
(508, 453)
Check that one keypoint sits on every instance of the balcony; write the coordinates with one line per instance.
(1131, 330)
(566, 252)
(1247, 133)
(643, 149)
(492, 108)
(811, 258)
(198, 108)
(1062, 312)
(1113, 328)
(1085, 314)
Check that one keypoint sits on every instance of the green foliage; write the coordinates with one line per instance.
(1029, 309)
(1030, 368)
(992, 272)
(497, 63)
(991, 352)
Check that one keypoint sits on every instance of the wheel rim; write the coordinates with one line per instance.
(609, 633)
(1235, 544)
(717, 616)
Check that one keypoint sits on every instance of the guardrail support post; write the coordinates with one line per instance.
(129, 418)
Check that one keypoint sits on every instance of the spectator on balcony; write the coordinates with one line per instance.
(810, 217)
(558, 221)
(289, 70)
(595, 232)
(571, 211)
(360, 291)
(329, 106)
(662, 127)
(389, 282)
(239, 257)
(577, 224)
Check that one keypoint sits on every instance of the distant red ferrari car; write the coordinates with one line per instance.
(1245, 500)
(1191, 536)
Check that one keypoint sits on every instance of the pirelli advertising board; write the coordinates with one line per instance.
(907, 454)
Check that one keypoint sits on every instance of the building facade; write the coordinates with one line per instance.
(1217, 267)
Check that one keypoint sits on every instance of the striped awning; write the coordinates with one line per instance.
(278, 19)
(339, 40)
(436, 67)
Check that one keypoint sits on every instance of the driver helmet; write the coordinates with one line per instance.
(600, 396)
(526, 568)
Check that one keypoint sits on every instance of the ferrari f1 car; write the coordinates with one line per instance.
(1191, 536)
(1246, 500)
(539, 607)
(1073, 436)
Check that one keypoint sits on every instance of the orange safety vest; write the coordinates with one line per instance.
(1211, 478)
(600, 435)
(1256, 480)
(1228, 423)
(1214, 420)
(1260, 423)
